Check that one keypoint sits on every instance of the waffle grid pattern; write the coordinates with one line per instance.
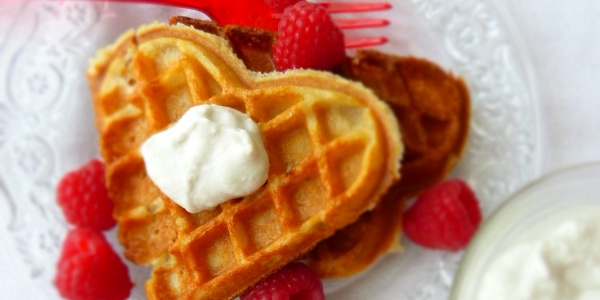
(432, 107)
(330, 160)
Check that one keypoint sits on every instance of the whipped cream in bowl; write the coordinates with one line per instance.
(211, 155)
(543, 243)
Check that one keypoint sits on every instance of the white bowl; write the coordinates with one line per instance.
(539, 204)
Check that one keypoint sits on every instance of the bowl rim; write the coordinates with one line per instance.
(458, 288)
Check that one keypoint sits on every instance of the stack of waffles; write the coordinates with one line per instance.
(432, 108)
(333, 146)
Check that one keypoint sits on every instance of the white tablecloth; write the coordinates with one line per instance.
(563, 41)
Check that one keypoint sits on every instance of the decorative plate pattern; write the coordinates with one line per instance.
(46, 125)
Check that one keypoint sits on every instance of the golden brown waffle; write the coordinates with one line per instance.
(252, 45)
(333, 146)
(432, 108)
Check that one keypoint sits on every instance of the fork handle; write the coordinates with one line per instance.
(240, 12)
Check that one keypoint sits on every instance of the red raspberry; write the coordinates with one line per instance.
(88, 268)
(294, 281)
(308, 38)
(280, 5)
(444, 217)
(83, 197)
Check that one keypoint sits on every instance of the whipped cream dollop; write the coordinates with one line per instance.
(211, 155)
(562, 261)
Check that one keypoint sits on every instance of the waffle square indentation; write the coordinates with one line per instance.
(211, 251)
(123, 135)
(202, 85)
(167, 98)
(338, 120)
(288, 143)
(129, 184)
(258, 224)
(306, 192)
(113, 100)
(190, 221)
(145, 234)
(344, 159)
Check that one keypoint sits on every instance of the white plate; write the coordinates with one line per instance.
(46, 127)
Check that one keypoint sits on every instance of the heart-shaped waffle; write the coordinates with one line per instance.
(333, 148)
(432, 107)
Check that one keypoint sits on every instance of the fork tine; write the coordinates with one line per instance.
(351, 42)
(360, 23)
(359, 41)
(340, 7)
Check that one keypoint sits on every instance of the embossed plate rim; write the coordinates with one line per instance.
(40, 184)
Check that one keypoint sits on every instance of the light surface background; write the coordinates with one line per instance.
(562, 40)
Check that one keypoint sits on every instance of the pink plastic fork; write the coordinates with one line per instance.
(256, 13)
